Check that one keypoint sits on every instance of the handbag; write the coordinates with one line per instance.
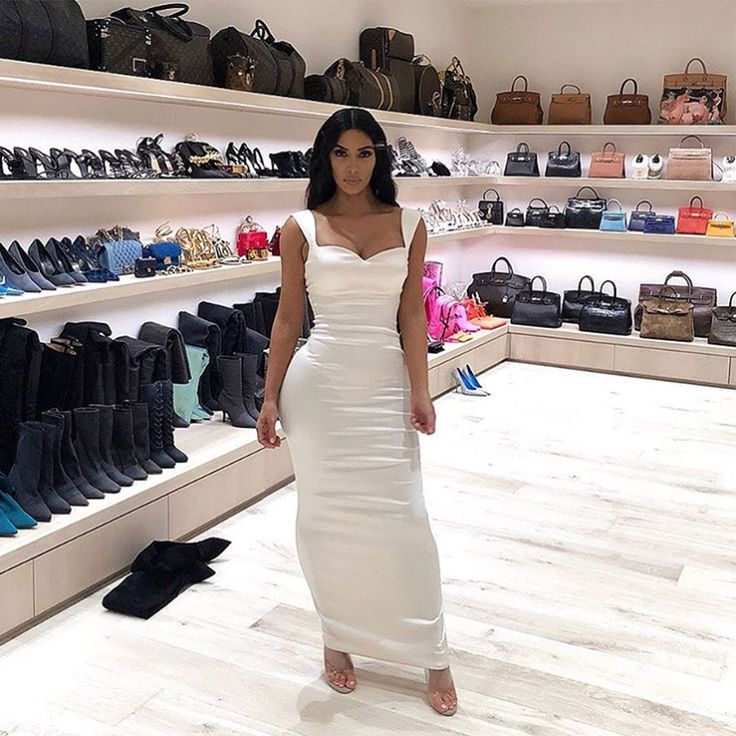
(517, 107)
(690, 164)
(693, 220)
(370, 88)
(660, 224)
(627, 109)
(44, 32)
(563, 162)
(537, 308)
(553, 218)
(491, 210)
(723, 326)
(608, 314)
(569, 109)
(165, 254)
(720, 228)
(693, 99)
(118, 48)
(323, 88)
(459, 101)
(703, 299)
(667, 317)
(290, 64)
(534, 213)
(584, 213)
(119, 256)
(607, 164)
(614, 220)
(574, 299)
(379, 45)
(497, 288)
(638, 218)
(521, 162)
(515, 218)
(144, 267)
(180, 49)
(426, 85)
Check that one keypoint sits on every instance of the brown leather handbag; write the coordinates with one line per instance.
(570, 108)
(668, 317)
(518, 107)
(693, 99)
(607, 164)
(628, 109)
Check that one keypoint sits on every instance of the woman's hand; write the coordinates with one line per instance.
(422, 413)
(266, 426)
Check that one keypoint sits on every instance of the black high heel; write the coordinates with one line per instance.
(236, 163)
(95, 168)
(283, 164)
(134, 166)
(9, 168)
(88, 262)
(255, 159)
(27, 168)
(68, 265)
(156, 159)
(112, 165)
(31, 268)
(50, 168)
(63, 162)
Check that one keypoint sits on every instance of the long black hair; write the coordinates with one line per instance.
(322, 186)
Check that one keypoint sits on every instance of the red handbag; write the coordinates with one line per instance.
(693, 220)
(251, 237)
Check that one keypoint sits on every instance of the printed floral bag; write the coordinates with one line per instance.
(693, 99)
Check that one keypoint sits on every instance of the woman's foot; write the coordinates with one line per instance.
(441, 691)
(339, 671)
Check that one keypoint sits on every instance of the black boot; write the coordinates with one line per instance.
(231, 396)
(26, 471)
(69, 458)
(87, 445)
(108, 464)
(250, 382)
(167, 428)
(123, 446)
(55, 503)
(142, 437)
(63, 484)
(154, 398)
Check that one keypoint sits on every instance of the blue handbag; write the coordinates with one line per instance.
(614, 220)
(119, 256)
(166, 253)
(660, 224)
(638, 217)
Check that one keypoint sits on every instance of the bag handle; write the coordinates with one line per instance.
(422, 57)
(538, 199)
(699, 198)
(597, 196)
(692, 136)
(625, 82)
(498, 196)
(506, 261)
(526, 83)
(720, 214)
(609, 143)
(554, 207)
(661, 294)
(679, 275)
(174, 22)
(644, 201)
(262, 31)
(617, 201)
(586, 278)
(522, 148)
(542, 279)
(562, 89)
(180, 8)
(730, 302)
(696, 58)
(615, 290)
(564, 143)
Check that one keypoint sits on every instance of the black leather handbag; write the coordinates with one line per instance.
(553, 218)
(491, 210)
(608, 314)
(514, 218)
(118, 48)
(521, 162)
(427, 87)
(498, 288)
(537, 308)
(563, 162)
(180, 49)
(44, 31)
(459, 101)
(585, 213)
(574, 299)
(723, 326)
(535, 212)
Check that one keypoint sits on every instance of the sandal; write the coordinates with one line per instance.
(331, 671)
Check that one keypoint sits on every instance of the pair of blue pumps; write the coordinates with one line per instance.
(12, 516)
(468, 383)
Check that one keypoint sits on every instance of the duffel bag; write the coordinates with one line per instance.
(322, 88)
(403, 72)
(231, 42)
(427, 87)
(369, 88)
(289, 62)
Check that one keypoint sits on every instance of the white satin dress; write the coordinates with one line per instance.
(362, 531)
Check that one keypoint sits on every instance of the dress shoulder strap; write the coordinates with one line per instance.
(306, 222)
(409, 222)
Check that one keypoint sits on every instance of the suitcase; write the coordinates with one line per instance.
(119, 48)
(378, 45)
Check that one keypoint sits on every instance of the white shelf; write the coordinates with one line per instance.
(613, 131)
(130, 286)
(453, 235)
(646, 184)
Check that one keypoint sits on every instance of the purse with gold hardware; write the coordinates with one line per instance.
(567, 108)
(517, 107)
(668, 317)
(201, 160)
(720, 228)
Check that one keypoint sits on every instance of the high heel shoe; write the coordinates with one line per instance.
(48, 265)
(9, 167)
(14, 273)
(6, 290)
(283, 163)
(112, 165)
(79, 251)
(236, 164)
(443, 709)
(50, 168)
(55, 248)
(25, 164)
(133, 166)
(473, 379)
(63, 161)
(91, 165)
(150, 152)
(31, 268)
(255, 158)
(331, 670)
(464, 386)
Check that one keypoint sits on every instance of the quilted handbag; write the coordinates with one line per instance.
(608, 163)
(537, 308)
(690, 164)
(660, 224)
(498, 288)
(614, 220)
(574, 299)
(518, 107)
(720, 228)
(515, 218)
(627, 109)
(521, 162)
(563, 162)
(608, 314)
(569, 108)
(693, 220)
(638, 218)
(180, 49)
(693, 99)
(585, 212)
(553, 218)
(491, 210)
(667, 317)
(723, 326)
(167, 253)
(119, 256)
(535, 212)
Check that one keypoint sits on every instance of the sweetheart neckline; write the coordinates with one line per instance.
(357, 255)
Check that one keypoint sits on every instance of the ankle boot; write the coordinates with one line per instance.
(250, 382)
(87, 444)
(69, 458)
(56, 504)
(142, 438)
(154, 398)
(10, 507)
(231, 396)
(108, 464)
(167, 389)
(123, 445)
(26, 471)
(63, 484)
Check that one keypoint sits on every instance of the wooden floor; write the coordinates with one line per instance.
(586, 530)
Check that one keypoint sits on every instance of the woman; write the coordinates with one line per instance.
(351, 402)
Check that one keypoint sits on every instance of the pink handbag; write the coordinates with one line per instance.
(607, 164)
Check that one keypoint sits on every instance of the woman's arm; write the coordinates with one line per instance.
(413, 328)
(287, 328)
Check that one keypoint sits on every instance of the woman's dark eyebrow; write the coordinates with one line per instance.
(362, 148)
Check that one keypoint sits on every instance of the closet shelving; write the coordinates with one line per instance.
(551, 182)
(613, 131)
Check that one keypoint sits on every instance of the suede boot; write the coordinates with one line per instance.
(106, 447)
(87, 445)
(26, 471)
(123, 446)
